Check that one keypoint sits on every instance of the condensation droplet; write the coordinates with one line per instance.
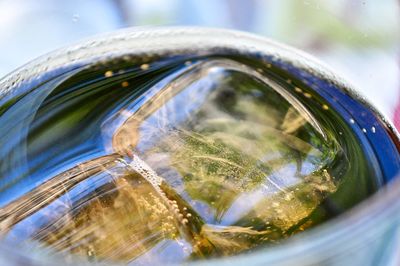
(108, 74)
(144, 66)
(75, 17)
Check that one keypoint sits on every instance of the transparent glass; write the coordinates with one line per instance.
(367, 234)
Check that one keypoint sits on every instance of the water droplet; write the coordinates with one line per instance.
(144, 66)
(297, 89)
(75, 17)
(108, 74)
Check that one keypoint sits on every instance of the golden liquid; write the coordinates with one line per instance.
(154, 163)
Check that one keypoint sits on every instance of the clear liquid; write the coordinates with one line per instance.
(173, 159)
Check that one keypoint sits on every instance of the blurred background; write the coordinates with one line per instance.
(360, 39)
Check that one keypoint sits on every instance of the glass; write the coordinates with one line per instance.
(211, 102)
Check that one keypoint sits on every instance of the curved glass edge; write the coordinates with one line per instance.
(366, 123)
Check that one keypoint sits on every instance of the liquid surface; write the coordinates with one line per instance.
(172, 160)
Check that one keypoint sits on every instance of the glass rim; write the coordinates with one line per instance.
(328, 239)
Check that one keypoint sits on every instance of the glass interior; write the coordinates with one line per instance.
(174, 159)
